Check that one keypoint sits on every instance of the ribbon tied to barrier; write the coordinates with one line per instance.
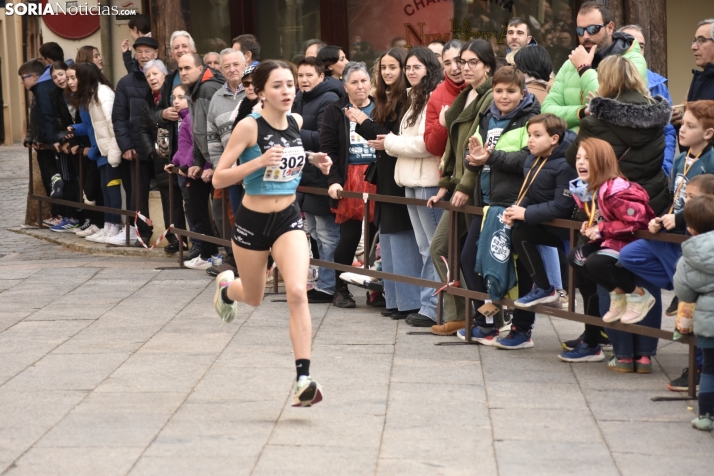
(449, 282)
(148, 221)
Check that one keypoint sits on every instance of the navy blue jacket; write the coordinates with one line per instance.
(549, 195)
(702, 86)
(132, 93)
(42, 115)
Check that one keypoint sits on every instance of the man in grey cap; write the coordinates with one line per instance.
(132, 93)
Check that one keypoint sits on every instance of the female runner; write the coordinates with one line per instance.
(271, 157)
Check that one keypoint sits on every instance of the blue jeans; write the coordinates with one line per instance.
(624, 344)
(551, 262)
(327, 234)
(424, 221)
(112, 194)
(653, 261)
(400, 255)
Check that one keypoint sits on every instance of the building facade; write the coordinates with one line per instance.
(363, 28)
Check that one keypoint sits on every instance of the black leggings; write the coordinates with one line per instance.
(599, 264)
(350, 234)
(525, 238)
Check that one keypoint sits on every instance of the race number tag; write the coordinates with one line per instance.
(290, 167)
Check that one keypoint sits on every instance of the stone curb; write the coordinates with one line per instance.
(75, 243)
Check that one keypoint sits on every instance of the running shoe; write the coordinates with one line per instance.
(92, 229)
(583, 353)
(120, 238)
(515, 340)
(67, 225)
(57, 186)
(617, 365)
(703, 422)
(99, 236)
(618, 306)
(52, 221)
(482, 335)
(83, 226)
(315, 296)
(343, 298)
(603, 340)
(637, 307)
(538, 296)
(198, 263)
(681, 383)
(307, 392)
(672, 309)
(227, 312)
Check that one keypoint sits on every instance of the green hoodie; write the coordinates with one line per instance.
(461, 124)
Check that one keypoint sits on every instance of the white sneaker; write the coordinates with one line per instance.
(198, 263)
(97, 237)
(618, 306)
(120, 238)
(88, 232)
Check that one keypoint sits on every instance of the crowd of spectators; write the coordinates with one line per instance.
(597, 143)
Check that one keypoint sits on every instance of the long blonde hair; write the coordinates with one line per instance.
(616, 75)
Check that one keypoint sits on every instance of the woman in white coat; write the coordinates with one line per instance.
(417, 170)
(94, 98)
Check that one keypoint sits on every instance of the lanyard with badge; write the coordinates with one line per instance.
(527, 185)
(688, 162)
(591, 210)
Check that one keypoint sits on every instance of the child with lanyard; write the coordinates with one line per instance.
(268, 221)
(616, 209)
(544, 196)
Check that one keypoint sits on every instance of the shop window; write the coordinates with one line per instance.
(376, 25)
(283, 27)
(210, 25)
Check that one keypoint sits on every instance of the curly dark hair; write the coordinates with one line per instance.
(388, 98)
(419, 95)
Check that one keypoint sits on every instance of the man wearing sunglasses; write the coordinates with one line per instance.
(578, 77)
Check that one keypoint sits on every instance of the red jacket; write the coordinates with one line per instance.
(436, 135)
(624, 209)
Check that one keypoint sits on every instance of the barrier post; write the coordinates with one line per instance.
(571, 277)
(136, 187)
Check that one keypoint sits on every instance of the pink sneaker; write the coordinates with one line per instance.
(618, 306)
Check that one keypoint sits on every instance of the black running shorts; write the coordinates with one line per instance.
(258, 231)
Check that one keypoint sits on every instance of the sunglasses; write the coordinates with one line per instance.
(247, 82)
(591, 29)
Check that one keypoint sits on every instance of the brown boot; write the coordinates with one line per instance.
(449, 328)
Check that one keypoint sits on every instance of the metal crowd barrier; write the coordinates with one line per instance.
(453, 263)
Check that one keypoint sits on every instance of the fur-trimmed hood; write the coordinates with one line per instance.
(622, 113)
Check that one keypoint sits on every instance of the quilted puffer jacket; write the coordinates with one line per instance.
(101, 114)
(624, 207)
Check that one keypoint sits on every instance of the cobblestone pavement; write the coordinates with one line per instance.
(111, 366)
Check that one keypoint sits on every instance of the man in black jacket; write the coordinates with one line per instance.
(131, 94)
(201, 83)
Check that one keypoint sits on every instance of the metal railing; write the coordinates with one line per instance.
(453, 259)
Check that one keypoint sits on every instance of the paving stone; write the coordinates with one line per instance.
(118, 364)
(114, 420)
(549, 457)
(75, 461)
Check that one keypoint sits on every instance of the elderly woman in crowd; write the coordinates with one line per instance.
(159, 147)
(351, 155)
